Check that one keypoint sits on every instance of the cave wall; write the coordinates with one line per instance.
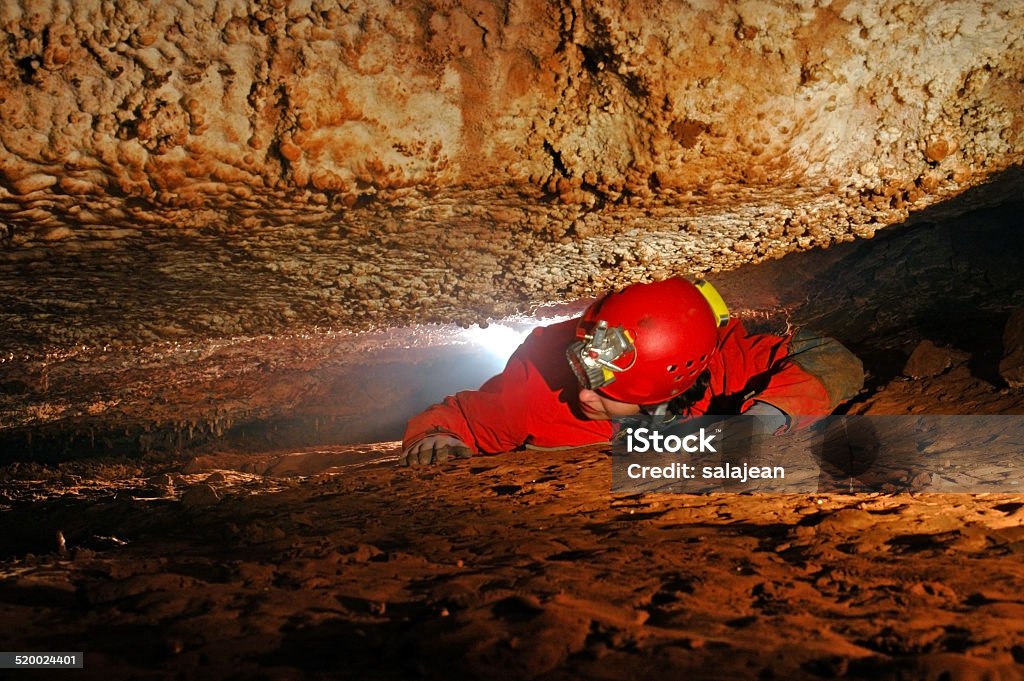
(219, 168)
(951, 283)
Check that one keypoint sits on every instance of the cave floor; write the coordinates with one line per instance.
(512, 566)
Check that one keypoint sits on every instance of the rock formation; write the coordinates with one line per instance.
(223, 168)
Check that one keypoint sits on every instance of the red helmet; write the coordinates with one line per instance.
(649, 342)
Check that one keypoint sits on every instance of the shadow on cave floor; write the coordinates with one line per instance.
(951, 274)
(355, 576)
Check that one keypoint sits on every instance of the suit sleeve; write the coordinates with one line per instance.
(798, 375)
(490, 420)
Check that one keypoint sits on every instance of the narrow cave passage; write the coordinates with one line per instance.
(949, 278)
(240, 541)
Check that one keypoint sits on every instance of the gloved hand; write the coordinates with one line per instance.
(434, 449)
(770, 419)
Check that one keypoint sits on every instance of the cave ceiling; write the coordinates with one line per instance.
(207, 169)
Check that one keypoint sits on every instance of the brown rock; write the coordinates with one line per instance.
(1011, 368)
(929, 359)
(384, 112)
(846, 520)
(199, 496)
(937, 150)
(290, 151)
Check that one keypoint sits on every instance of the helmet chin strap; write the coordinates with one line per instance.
(659, 415)
(647, 418)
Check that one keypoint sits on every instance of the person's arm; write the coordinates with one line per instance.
(442, 420)
(770, 419)
(491, 419)
(437, 448)
(799, 376)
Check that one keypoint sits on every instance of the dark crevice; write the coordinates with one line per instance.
(483, 30)
(556, 159)
(600, 199)
(28, 67)
(598, 60)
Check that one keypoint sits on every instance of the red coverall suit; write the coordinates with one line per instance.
(534, 401)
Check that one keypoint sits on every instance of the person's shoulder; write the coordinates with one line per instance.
(544, 349)
(560, 333)
(732, 329)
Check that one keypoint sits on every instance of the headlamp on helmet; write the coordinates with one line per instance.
(593, 357)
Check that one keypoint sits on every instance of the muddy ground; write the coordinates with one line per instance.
(335, 563)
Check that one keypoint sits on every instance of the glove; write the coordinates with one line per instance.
(434, 449)
(770, 419)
